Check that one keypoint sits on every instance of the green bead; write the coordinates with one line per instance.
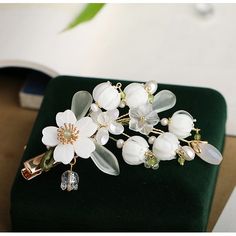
(155, 167)
(146, 165)
(197, 136)
(152, 161)
(122, 95)
(150, 98)
(181, 161)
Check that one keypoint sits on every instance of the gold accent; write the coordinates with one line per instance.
(126, 135)
(195, 145)
(124, 121)
(118, 85)
(32, 167)
(113, 139)
(72, 163)
(197, 130)
(120, 117)
(67, 134)
(149, 154)
(157, 131)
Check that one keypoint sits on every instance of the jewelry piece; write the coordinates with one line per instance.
(84, 131)
(70, 179)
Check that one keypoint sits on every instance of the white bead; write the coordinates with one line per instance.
(190, 153)
(165, 146)
(135, 95)
(151, 86)
(106, 96)
(164, 121)
(94, 107)
(122, 104)
(181, 124)
(134, 150)
(120, 143)
(151, 139)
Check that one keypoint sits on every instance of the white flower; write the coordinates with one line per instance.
(107, 123)
(181, 124)
(165, 146)
(106, 96)
(134, 150)
(71, 137)
(135, 95)
(143, 118)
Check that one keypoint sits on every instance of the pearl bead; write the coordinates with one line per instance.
(164, 121)
(151, 139)
(120, 143)
(94, 107)
(190, 153)
(122, 104)
(151, 86)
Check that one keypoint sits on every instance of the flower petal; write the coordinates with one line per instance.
(65, 117)
(63, 153)
(50, 136)
(133, 125)
(152, 118)
(103, 118)
(146, 129)
(145, 109)
(94, 115)
(135, 113)
(113, 114)
(84, 147)
(116, 128)
(86, 127)
(102, 136)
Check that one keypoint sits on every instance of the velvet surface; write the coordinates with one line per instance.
(172, 198)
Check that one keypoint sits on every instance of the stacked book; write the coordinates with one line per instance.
(32, 91)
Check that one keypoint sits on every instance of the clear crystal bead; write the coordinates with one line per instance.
(69, 180)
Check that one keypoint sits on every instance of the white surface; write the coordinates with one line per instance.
(169, 43)
(227, 219)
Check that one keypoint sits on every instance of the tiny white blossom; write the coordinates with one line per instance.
(143, 118)
(70, 137)
(107, 124)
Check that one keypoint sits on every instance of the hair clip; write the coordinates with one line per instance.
(84, 130)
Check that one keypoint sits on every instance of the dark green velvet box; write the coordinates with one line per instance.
(172, 198)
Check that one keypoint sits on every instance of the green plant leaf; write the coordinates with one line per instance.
(87, 14)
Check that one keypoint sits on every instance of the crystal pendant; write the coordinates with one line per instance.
(209, 153)
(69, 180)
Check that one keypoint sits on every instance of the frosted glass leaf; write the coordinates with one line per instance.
(105, 160)
(81, 103)
(209, 154)
(163, 100)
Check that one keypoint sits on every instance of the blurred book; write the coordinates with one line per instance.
(33, 89)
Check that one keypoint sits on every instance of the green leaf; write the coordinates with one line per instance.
(87, 14)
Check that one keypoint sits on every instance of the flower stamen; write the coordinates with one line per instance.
(67, 134)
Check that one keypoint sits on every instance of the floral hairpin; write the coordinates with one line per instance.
(93, 119)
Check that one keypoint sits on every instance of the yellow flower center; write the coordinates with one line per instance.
(67, 134)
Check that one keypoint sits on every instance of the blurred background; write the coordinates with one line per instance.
(184, 44)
